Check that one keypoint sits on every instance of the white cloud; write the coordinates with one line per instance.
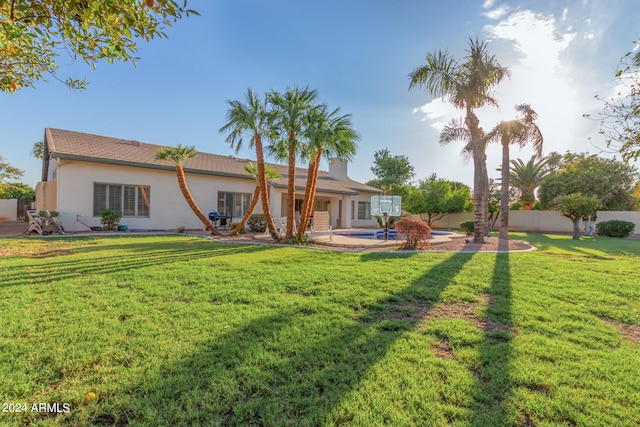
(541, 76)
(565, 12)
(497, 13)
(534, 37)
(487, 4)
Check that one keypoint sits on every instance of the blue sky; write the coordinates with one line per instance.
(357, 54)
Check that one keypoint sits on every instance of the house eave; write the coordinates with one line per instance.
(66, 156)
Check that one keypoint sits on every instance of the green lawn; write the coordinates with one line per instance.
(180, 331)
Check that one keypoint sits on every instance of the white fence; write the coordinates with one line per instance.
(8, 210)
(539, 221)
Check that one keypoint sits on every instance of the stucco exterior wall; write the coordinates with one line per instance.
(8, 210)
(46, 196)
(542, 221)
(167, 207)
(358, 223)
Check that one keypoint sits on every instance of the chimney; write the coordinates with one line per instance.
(338, 169)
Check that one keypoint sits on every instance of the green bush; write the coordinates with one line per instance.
(615, 228)
(257, 223)
(467, 227)
(235, 225)
(515, 206)
(416, 233)
(110, 219)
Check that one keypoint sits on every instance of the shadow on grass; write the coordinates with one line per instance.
(290, 368)
(493, 375)
(81, 260)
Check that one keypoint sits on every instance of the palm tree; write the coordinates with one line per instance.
(178, 155)
(517, 131)
(252, 118)
(253, 171)
(467, 86)
(329, 134)
(457, 130)
(289, 111)
(526, 177)
(38, 150)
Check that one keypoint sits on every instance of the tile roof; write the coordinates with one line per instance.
(66, 144)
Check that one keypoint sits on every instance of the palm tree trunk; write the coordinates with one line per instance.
(309, 196)
(264, 191)
(291, 187)
(485, 195)
(252, 206)
(504, 193)
(472, 123)
(182, 183)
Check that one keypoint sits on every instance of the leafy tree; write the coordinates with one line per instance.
(434, 198)
(17, 190)
(253, 171)
(178, 155)
(620, 118)
(517, 131)
(577, 206)
(35, 32)
(467, 86)
(8, 172)
(391, 171)
(289, 111)
(252, 118)
(611, 181)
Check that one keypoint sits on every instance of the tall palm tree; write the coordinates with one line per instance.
(456, 130)
(330, 134)
(526, 177)
(289, 110)
(253, 171)
(38, 150)
(467, 86)
(252, 118)
(178, 155)
(517, 131)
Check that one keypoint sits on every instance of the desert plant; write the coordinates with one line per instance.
(467, 227)
(416, 233)
(392, 221)
(615, 228)
(110, 219)
(257, 223)
(241, 229)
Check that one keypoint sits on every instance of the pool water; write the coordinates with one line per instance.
(379, 235)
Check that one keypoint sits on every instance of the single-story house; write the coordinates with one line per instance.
(82, 174)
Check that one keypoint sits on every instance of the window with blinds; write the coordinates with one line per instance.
(364, 210)
(234, 205)
(131, 200)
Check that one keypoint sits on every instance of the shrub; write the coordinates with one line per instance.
(235, 225)
(110, 219)
(467, 227)
(380, 220)
(615, 228)
(515, 206)
(416, 233)
(257, 223)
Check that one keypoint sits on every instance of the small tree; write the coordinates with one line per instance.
(416, 233)
(434, 198)
(577, 206)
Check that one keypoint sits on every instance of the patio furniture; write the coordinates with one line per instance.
(36, 223)
(321, 224)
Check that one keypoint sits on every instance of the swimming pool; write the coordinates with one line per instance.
(379, 234)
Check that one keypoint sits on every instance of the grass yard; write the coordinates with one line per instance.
(180, 331)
